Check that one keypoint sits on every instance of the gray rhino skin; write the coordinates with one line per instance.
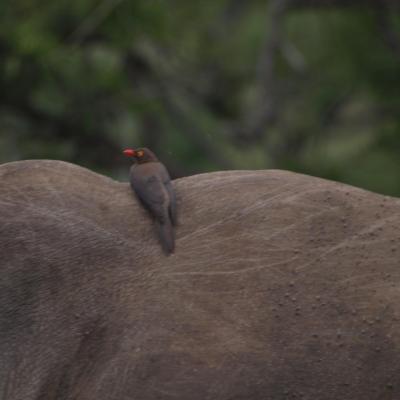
(283, 286)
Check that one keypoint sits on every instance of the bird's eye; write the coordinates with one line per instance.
(140, 153)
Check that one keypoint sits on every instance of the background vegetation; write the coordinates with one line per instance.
(305, 85)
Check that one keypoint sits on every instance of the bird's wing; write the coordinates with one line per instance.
(172, 203)
(151, 192)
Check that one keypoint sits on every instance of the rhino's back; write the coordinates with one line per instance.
(283, 286)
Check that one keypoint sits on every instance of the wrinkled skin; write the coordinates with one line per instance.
(282, 286)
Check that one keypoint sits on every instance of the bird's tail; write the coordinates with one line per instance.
(166, 235)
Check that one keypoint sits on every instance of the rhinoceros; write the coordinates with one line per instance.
(282, 286)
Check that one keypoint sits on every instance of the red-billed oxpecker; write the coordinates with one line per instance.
(152, 184)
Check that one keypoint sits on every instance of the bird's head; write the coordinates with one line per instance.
(141, 155)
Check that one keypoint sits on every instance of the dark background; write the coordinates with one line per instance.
(305, 85)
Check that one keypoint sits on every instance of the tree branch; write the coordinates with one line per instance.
(264, 109)
(97, 16)
(169, 98)
(389, 34)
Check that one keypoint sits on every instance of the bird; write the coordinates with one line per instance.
(152, 185)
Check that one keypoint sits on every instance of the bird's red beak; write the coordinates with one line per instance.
(129, 152)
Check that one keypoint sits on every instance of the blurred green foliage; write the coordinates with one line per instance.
(221, 84)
